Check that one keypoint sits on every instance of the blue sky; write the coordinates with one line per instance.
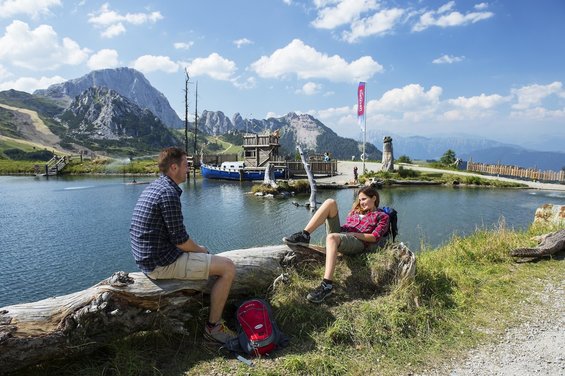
(493, 69)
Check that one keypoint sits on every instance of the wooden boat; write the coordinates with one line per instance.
(236, 171)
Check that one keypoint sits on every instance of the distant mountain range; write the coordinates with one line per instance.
(473, 148)
(115, 110)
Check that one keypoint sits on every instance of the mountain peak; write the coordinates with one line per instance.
(128, 82)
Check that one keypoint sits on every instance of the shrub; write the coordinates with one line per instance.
(404, 159)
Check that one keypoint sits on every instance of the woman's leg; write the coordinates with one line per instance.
(327, 210)
(332, 244)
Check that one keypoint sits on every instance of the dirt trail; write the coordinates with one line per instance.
(533, 348)
(33, 128)
(345, 174)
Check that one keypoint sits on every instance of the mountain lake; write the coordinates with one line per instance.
(65, 234)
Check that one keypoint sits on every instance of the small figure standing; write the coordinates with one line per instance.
(355, 174)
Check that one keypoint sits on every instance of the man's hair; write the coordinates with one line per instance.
(169, 156)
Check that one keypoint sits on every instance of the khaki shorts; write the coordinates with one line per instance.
(348, 245)
(189, 265)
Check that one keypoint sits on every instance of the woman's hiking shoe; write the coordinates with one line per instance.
(320, 293)
(219, 333)
(298, 238)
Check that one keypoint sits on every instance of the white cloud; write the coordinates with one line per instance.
(242, 42)
(409, 98)
(32, 8)
(30, 84)
(113, 30)
(538, 113)
(475, 107)
(214, 65)
(39, 49)
(378, 24)
(481, 102)
(183, 45)
(307, 63)
(150, 63)
(445, 17)
(448, 59)
(332, 15)
(481, 6)
(105, 58)
(532, 95)
(4, 73)
(113, 22)
(248, 83)
(309, 88)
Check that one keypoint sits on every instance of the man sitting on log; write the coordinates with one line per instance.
(163, 249)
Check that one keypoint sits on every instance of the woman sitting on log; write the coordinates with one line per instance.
(366, 228)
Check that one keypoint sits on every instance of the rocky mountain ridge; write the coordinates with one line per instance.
(101, 116)
(294, 129)
(128, 82)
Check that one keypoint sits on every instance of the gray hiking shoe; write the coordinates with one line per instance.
(320, 293)
(219, 333)
(298, 238)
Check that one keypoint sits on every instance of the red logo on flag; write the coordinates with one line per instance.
(361, 99)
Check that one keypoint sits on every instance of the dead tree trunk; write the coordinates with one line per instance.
(122, 305)
(311, 180)
(127, 303)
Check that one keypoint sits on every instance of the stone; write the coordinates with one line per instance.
(550, 213)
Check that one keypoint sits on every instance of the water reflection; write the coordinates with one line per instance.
(66, 234)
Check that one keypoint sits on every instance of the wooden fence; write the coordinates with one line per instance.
(517, 172)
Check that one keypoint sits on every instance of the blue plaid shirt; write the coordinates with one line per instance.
(157, 225)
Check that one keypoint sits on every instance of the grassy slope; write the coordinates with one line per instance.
(465, 293)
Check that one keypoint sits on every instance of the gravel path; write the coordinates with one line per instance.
(536, 347)
(345, 174)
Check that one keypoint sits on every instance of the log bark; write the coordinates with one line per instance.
(127, 303)
(123, 304)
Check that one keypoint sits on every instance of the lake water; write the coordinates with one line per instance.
(66, 234)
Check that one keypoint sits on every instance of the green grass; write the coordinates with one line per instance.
(112, 166)
(446, 178)
(465, 293)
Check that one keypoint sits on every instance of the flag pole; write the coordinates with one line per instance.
(361, 113)
(364, 126)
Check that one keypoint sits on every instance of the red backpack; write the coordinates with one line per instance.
(258, 334)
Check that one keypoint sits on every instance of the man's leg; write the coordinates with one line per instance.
(224, 268)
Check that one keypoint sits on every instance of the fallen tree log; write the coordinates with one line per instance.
(123, 304)
(128, 303)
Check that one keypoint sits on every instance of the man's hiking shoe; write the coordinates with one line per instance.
(299, 238)
(320, 293)
(219, 333)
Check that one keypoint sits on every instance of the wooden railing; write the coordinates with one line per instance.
(318, 168)
(53, 166)
(517, 172)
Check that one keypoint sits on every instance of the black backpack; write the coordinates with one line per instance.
(393, 221)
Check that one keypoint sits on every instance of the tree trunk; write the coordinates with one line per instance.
(123, 304)
(312, 202)
(127, 303)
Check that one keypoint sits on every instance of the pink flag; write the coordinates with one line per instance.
(361, 99)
